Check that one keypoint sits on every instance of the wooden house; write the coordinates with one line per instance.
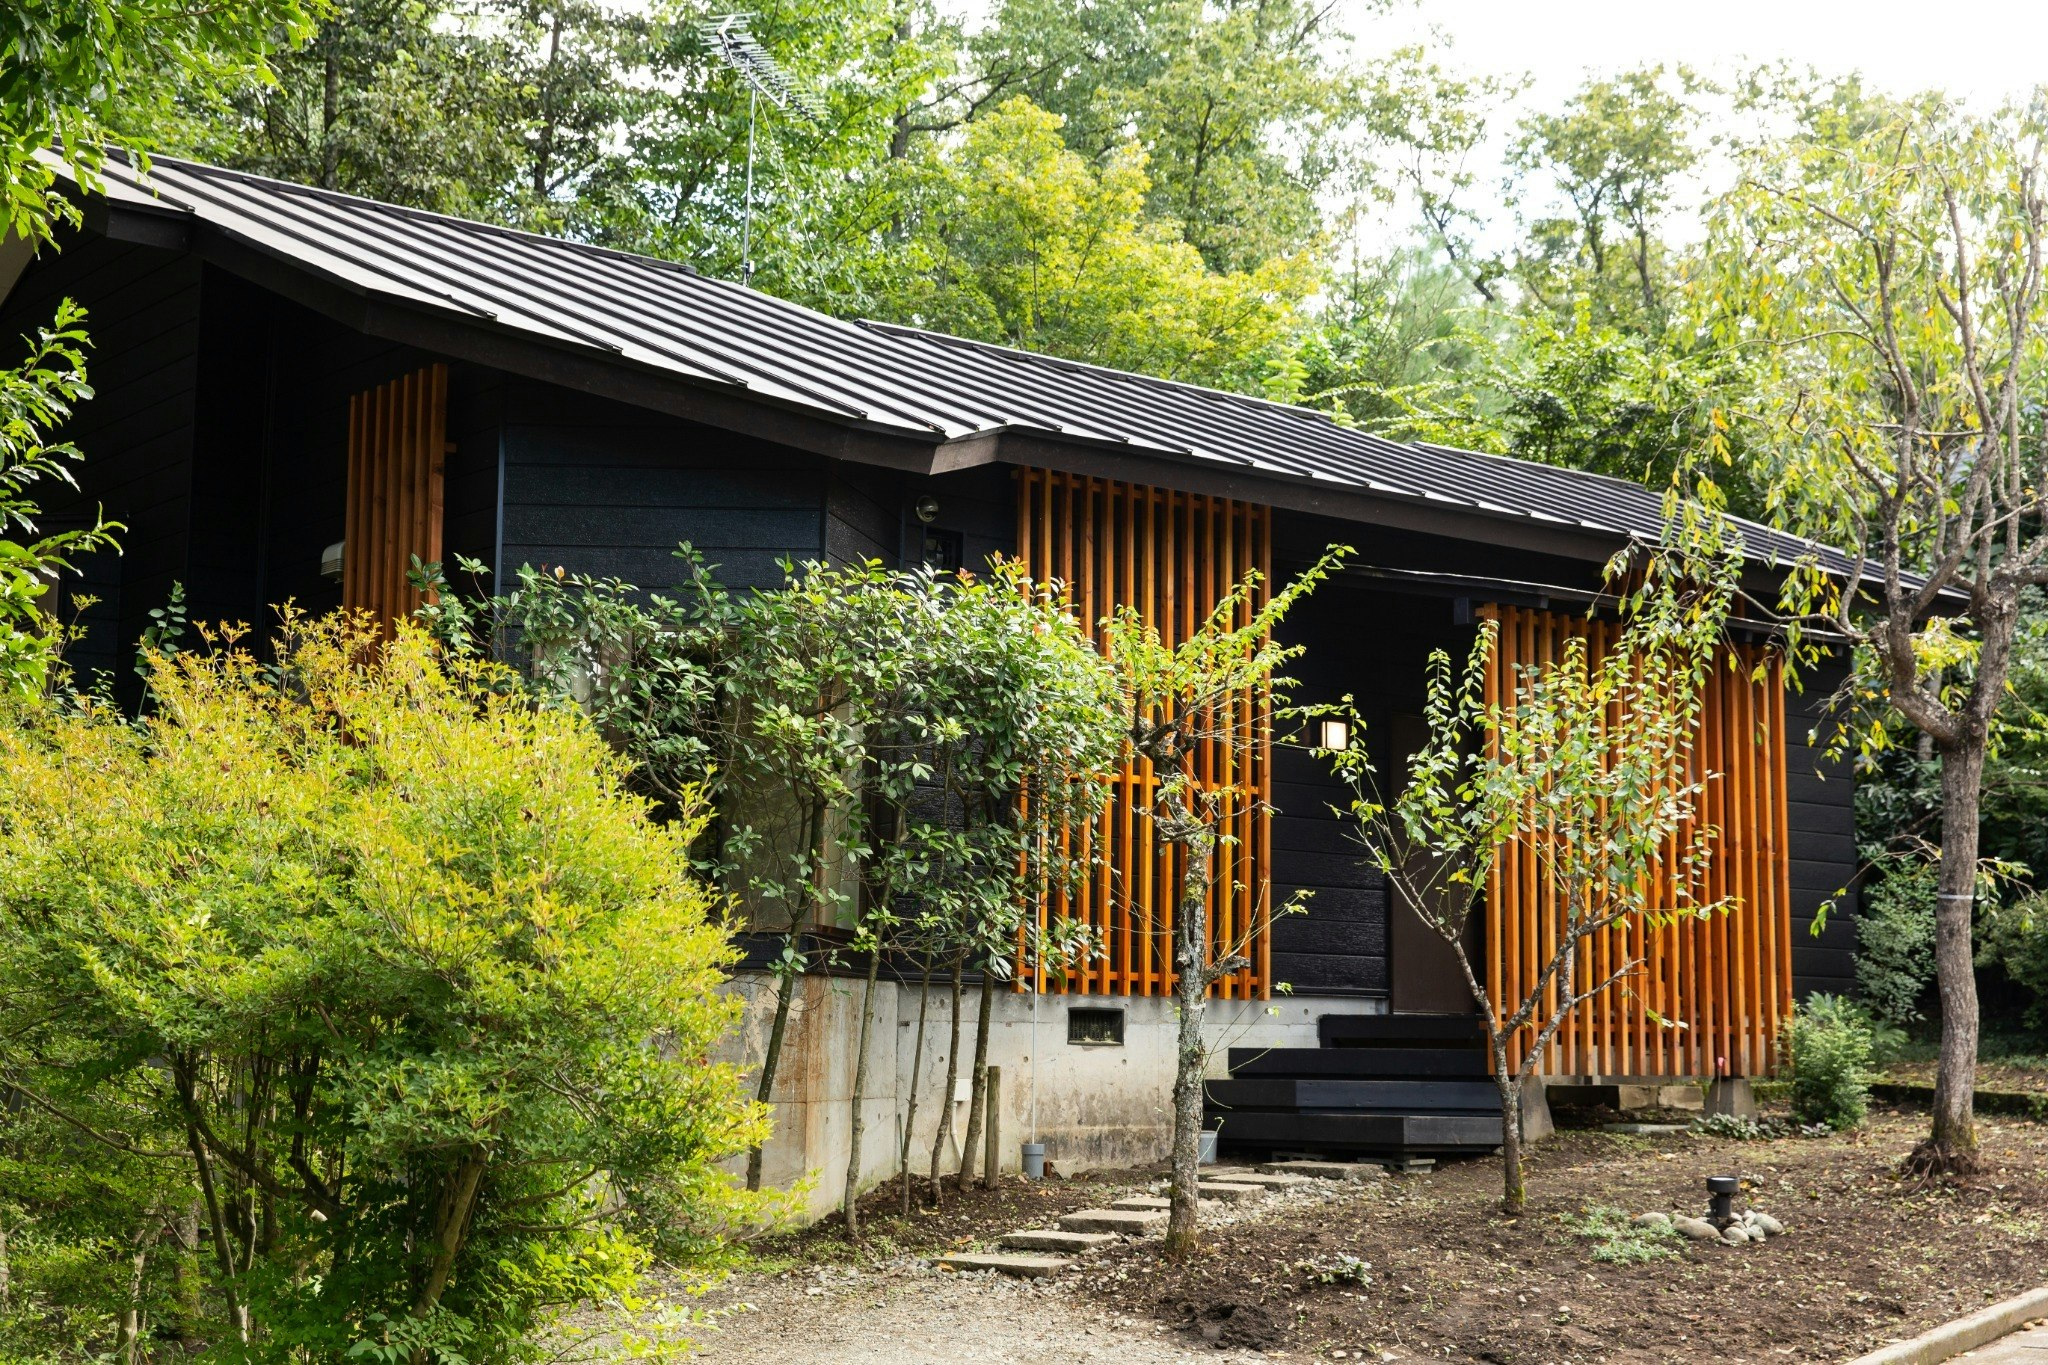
(282, 371)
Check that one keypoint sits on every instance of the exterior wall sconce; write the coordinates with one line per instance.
(1336, 735)
(331, 560)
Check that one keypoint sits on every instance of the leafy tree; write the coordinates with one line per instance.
(1246, 111)
(1180, 700)
(1889, 283)
(1615, 155)
(1588, 395)
(1021, 241)
(399, 100)
(1584, 764)
(380, 963)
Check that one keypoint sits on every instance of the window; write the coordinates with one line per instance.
(1095, 1028)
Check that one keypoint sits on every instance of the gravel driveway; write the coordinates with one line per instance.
(904, 1313)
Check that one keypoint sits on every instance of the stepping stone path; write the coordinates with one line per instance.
(1325, 1170)
(1259, 1179)
(1054, 1239)
(1025, 1267)
(1135, 1216)
(1234, 1193)
(1122, 1222)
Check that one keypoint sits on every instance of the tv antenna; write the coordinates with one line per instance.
(733, 43)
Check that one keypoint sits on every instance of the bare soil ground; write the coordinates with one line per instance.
(1867, 1258)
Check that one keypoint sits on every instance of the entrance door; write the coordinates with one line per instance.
(1423, 976)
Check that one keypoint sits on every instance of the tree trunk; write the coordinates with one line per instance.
(785, 990)
(945, 1124)
(972, 1142)
(128, 1339)
(6, 1275)
(924, 1000)
(1951, 1148)
(451, 1231)
(1514, 1193)
(851, 1203)
(186, 1285)
(1191, 994)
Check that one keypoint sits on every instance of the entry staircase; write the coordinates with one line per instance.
(1392, 1085)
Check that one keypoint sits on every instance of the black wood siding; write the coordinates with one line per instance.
(597, 487)
(136, 433)
(1822, 822)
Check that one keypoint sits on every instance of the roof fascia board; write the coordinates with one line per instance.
(1305, 495)
(144, 225)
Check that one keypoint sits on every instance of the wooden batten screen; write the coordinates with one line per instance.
(1711, 994)
(1173, 556)
(397, 445)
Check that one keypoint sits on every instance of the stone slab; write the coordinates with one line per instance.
(1024, 1267)
(1324, 1170)
(1645, 1129)
(1282, 1180)
(1123, 1222)
(1231, 1193)
(1156, 1203)
(1054, 1239)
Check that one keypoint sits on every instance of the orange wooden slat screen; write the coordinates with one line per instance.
(397, 445)
(1710, 995)
(1173, 556)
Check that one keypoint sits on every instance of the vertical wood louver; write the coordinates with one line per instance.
(397, 445)
(1710, 995)
(1173, 556)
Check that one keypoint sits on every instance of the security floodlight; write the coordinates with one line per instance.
(728, 38)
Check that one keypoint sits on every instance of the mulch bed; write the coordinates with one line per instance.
(1867, 1257)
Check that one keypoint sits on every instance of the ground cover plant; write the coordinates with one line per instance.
(350, 1003)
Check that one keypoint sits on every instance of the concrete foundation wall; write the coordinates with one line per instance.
(1094, 1105)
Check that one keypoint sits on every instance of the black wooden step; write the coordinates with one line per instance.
(1357, 1096)
(1379, 1030)
(1362, 1063)
(1359, 1132)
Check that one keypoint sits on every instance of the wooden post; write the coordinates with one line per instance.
(992, 1109)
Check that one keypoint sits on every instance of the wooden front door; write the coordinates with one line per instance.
(1423, 976)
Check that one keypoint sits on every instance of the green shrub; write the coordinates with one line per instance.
(2016, 939)
(1895, 941)
(1830, 1047)
(364, 1010)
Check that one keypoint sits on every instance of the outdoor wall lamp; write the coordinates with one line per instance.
(1336, 735)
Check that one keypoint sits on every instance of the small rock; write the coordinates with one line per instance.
(1771, 1226)
(1699, 1229)
(1652, 1220)
(1735, 1236)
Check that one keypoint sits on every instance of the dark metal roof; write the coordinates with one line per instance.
(660, 316)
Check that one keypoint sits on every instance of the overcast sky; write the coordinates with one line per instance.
(1984, 49)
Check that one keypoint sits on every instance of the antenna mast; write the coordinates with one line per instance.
(734, 44)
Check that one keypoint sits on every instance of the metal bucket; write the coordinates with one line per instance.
(1034, 1161)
